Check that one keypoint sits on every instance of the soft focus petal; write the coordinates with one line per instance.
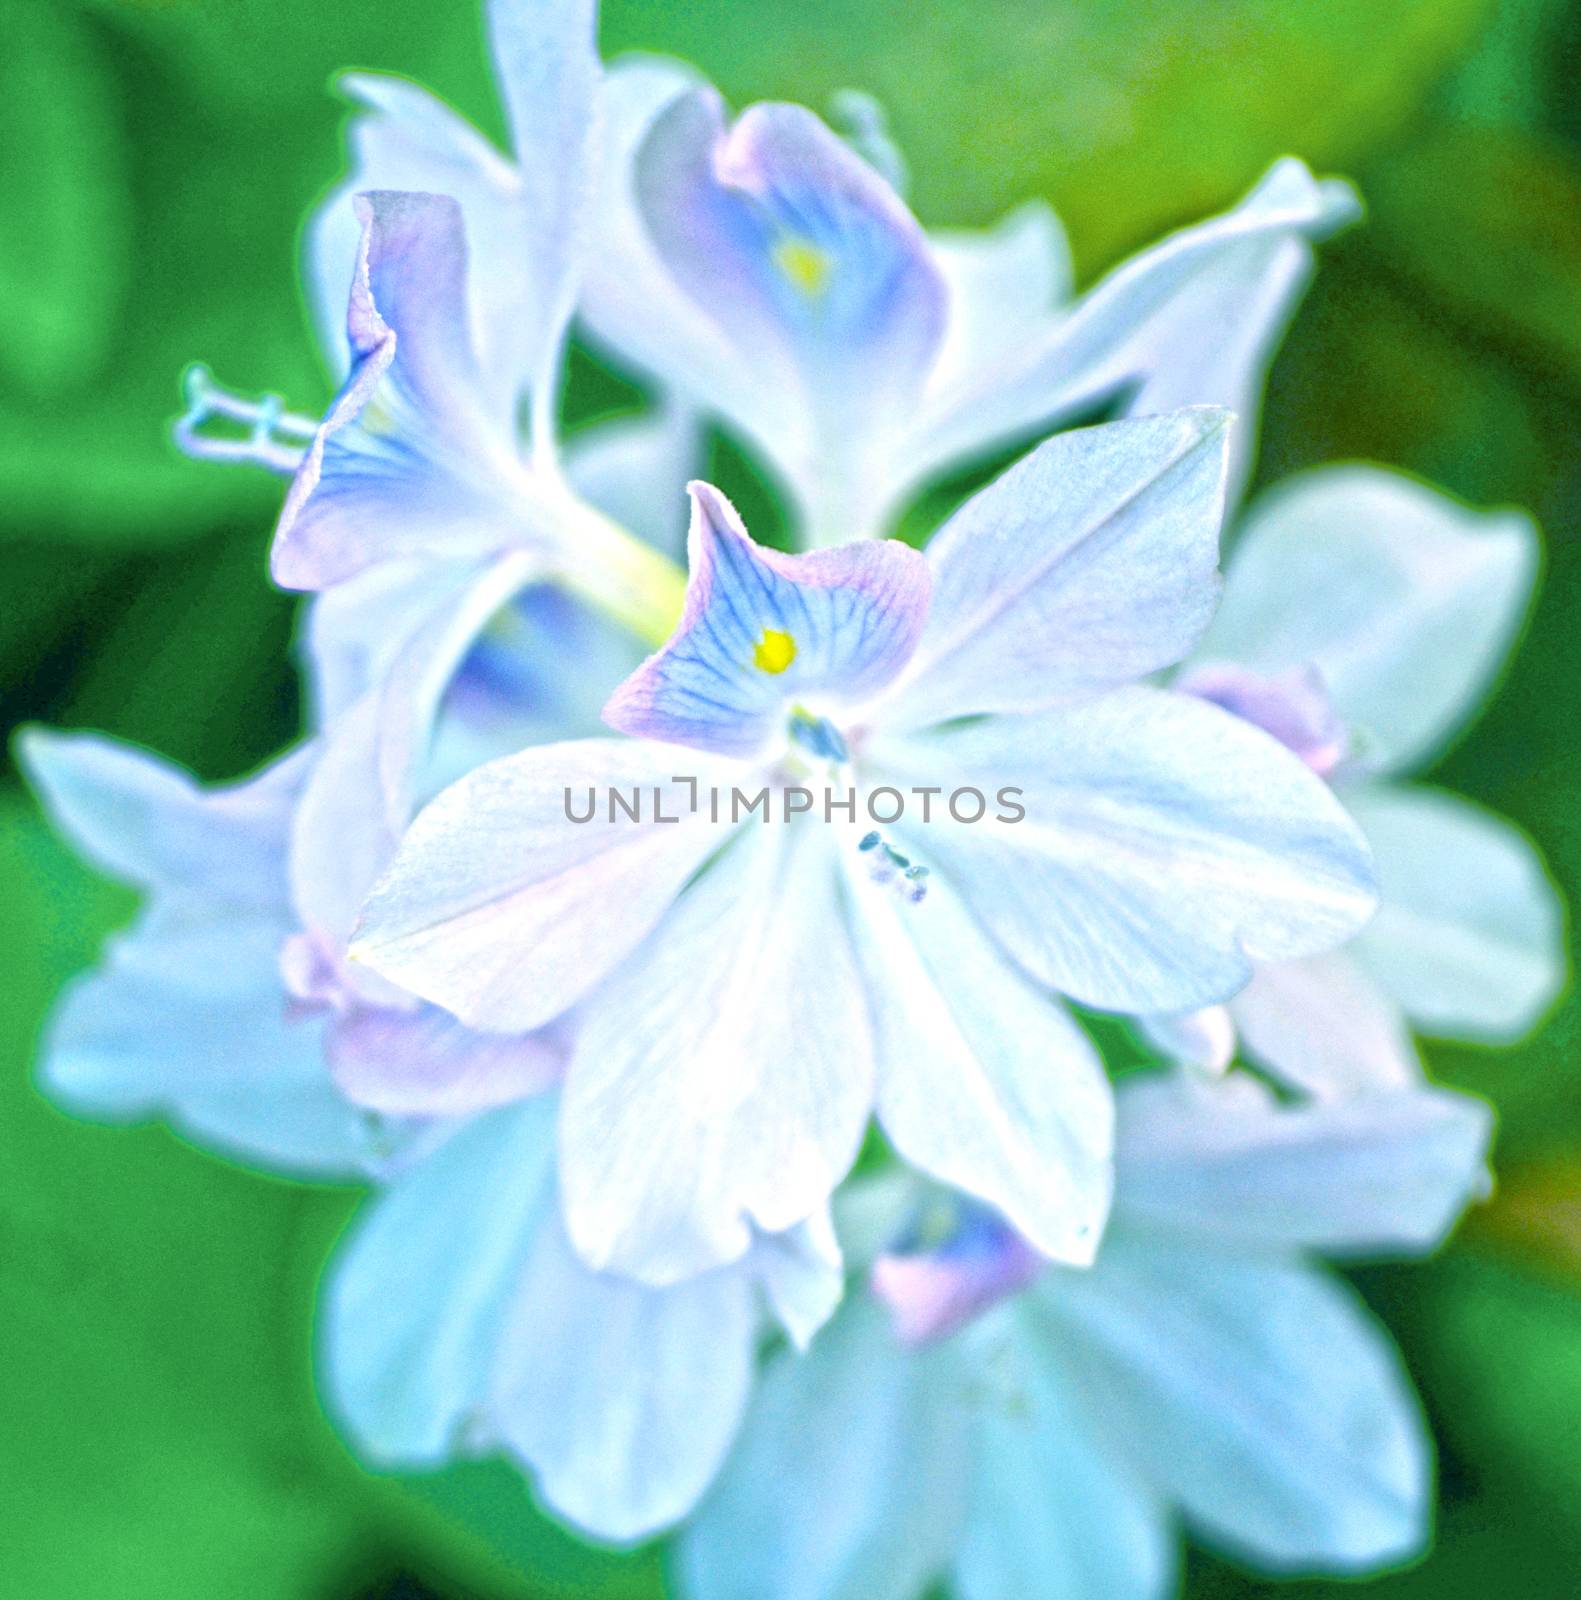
(546, 56)
(635, 470)
(799, 250)
(411, 1324)
(623, 1399)
(1257, 1395)
(802, 1273)
(1054, 1513)
(148, 823)
(184, 1019)
(1294, 706)
(412, 458)
(1092, 562)
(1324, 1026)
(1405, 601)
(849, 1479)
(722, 1079)
(365, 781)
(1165, 846)
(1004, 283)
(502, 910)
(1384, 1172)
(1203, 1040)
(422, 1062)
(1191, 321)
(984, 1083)
(762, 630)
(634, 309)
(401, 137)
(1470, 938)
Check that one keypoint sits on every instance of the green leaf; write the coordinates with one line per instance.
(64, 256)
(162, 1442)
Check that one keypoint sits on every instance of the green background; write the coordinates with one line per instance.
(158, 1432)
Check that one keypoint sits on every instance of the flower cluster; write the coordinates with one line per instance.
(740, 1158)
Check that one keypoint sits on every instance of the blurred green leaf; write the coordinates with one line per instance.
(1130, 116)
(63, 270)
(161, 1438)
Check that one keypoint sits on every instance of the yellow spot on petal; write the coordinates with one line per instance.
(774, 651)
(804, 264)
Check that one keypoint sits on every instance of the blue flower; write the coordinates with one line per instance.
(749, 986)
(1364, 618)
(1016, 1431)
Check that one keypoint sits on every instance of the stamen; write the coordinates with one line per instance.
(891, 867)
(818, 736)
(274, 438)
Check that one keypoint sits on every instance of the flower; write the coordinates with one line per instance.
(1421, 601)
(745, 992)
(767, 272)
(217, 1012)
(1023, 1430)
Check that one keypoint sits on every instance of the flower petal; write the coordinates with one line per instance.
(1092, 562)
(1257, 1395)
(546, 57)
(1225, 1162)
(502, 910)
(423, 1062)
(184, 1020)
(1323, 1026)
(1470, 937)
(800, 251)
(624, 1400)
(403, 138)
(1405, 601)
(1005, 282)
(1190, 321)
(762, 630)
(1164, 846)
(1054, 1513)
(635, 470)
(411, 458)
(848, 1481)
(723, 1077)
(983, 1082)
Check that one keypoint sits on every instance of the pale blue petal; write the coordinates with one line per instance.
(1190, 321)
(411, 1325)
(401, 137)
(722, 1079)
(1202, 1040)
(1404, 600)
(983, 1082)
(147, 823)
(1092, 562)
(802, 1273)
(1165, 846)
(1323, 1026)
(500, 909)
(1470, 938)
(1226, 1163)
(635, 470)
(367, 777)
(1257, 1395)
(848, 1482)
(420, 1061)
(762, 630)
(1056, 1511)
(622, 1399)
(185, 1020)
(1004, 282)
(633, 308)
(413, 457)
(546, 56)
(799, 250)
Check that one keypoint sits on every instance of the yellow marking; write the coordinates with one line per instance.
(804, 264)
(774, 651)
